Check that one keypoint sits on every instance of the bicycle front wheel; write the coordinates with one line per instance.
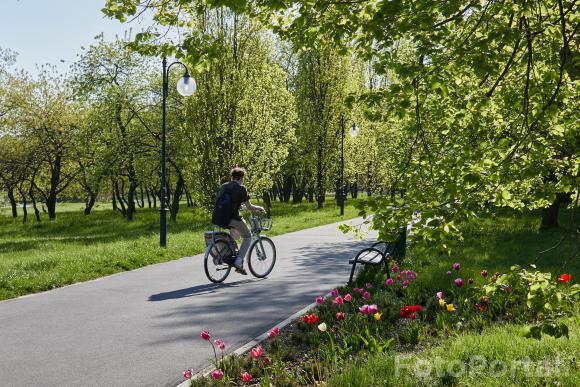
(262, 257)
(216, 269)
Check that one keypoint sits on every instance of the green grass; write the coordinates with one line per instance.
(74, 248)
(494, 243)
(475, 360)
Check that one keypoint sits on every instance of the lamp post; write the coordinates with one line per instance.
(185, 86)
(353, 133)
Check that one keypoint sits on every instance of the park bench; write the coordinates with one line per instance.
(380, 253)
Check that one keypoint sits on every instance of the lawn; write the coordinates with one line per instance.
(74, 248)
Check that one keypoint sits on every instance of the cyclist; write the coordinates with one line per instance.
(239, 196)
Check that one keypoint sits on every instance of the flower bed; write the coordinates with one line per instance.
(383, 314)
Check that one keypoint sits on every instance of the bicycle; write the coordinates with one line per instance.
(221, 247)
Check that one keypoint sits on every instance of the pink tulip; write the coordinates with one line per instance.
(456, 266)
(399, 277)
(217, 374)
(412, 276)
(222, 346)
(274, 332)
(389, 281)
(406, 283)
(319, 300)
(364, 309)
(395, 269)
(449, 273)
(339, 300)
(246, 377)
(459, 282)
(440, 295)
(204, 335)
(373, 309)
(347, 297)
(368, 285)
(257, 352)
(217, 342)
(366, 295)
(188, 374)
(334, 293)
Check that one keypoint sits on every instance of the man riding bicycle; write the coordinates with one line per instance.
(231, 196)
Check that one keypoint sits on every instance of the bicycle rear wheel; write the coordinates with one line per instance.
(214, 264)
(262, 257)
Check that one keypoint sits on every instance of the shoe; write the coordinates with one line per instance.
(239, 266)
(229, 260)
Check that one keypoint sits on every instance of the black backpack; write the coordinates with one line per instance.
(223, 208)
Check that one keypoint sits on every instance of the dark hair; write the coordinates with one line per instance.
(238, 173)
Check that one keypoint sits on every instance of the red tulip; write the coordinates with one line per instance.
(340, 316)
(564, 278)
(484, 273)
(257, 352)
(266, 360)
(204, 335)
(246, 377)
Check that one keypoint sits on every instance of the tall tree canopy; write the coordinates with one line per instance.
(485, 90)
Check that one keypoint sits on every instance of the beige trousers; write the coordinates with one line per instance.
(239, 228)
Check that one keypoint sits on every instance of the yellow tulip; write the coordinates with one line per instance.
(450, 308)
(442, 302)
(377, 316)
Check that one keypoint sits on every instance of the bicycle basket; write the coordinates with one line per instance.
(262, 223)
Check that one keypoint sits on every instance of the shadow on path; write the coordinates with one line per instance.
(198, 290)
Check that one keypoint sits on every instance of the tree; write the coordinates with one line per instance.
(116, 84)
(321, 88)
(43, 115)
(241, 114)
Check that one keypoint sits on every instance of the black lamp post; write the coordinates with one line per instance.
(185, 86)
(353, 133)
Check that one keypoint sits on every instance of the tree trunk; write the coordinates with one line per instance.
(288, 183)
(131, 201)
(12, 202)
(148, 197)
(550, 214)
(33, 199)
(154, 195)
(320, 188)
(188, 196)
(267, 202)
(120, 200)
(311, 194)
(54, 182)
(24, 209)
(142, 202)
(90, 202)
(176, 198)
(51, 206)
(354, 190)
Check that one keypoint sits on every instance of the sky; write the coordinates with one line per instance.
(48, 31)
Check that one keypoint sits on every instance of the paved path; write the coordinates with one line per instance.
(141, 328)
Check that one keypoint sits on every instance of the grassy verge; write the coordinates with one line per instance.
(498, 356)
(74, 248)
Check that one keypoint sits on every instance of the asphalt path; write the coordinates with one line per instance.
(141, 328)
